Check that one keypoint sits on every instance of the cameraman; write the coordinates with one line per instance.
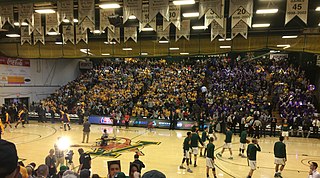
(69, 158)
(85, 160)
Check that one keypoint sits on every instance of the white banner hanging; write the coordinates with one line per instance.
(159, 6)
(52, 23)
(130, 32)
(6, 14)
(163, 33)
(240, 28)
(297, 8)
(38, 36)
(145, 19)
(174, 17)
(81, 36)
(68, 34)
(210, 16)
(26, 13)
(217, 6)
(86, 9)
(184, 30)
(241, 15)
(65, 10)
(114, 35)
(104, 19)
(247, 5)
(218, 30)
(25, 36)
(132, 7)
(37, 24)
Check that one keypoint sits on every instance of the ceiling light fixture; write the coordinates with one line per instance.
(59, 43)
(132, 17)
(144, 54)
(163, 42)
(227, 39)
(285, 46)
(75, 20)
(147, 29)
(288, 37)
(267, 11)
(105, 54)
(109, 6)
(225, 47)
(127, 49)
(53, 33)
(96, 32)
(184, 2)
(16, 24)
(199, 27)
(191, 14)
(184, 53)
(45, 11)
(13, 35)
(109, 43)
(174, 49)
(66, 20)
(261, 25)
(318, 8)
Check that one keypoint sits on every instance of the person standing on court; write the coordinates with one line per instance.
(84, 160)
(252, 150)
(195, 139)
(313, 173)
(51, 161)
(257, 125)
(1, 129)
(210, 158)
(315, 127)
(273, 126)
(86, 131)
(285, 129)
(280, 155)
(186, 150)
(227, 143)
(243, 142)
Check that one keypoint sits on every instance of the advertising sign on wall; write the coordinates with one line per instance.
(14, 71)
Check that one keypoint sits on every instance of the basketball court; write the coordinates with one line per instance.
(161, 150)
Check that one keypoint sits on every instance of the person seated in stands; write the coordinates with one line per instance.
(104, 138)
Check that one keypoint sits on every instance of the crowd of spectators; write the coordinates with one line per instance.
(225, 91)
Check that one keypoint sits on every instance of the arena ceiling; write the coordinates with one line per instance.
(258, 38)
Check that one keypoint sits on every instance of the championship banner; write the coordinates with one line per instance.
(38, 36)
(163, 33)
(174, 16)
(87, 24)
(297, 8)
(145, 19)
(241, 10)
(130, 32)
(52, 23)
(65, 10)
(218, 30)
(159, 6)
(25, 36)
(86, 10)
(210, 16)
(132, 7)
(104, 19)
(184, 30)
(240, 28)
(81, 36)
(14, 71)
(6, 14)
(68, 34)
(37, 24)
(217, 6)
(114, 35)
(26, 13)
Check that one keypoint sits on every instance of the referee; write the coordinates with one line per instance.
(280, 155)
